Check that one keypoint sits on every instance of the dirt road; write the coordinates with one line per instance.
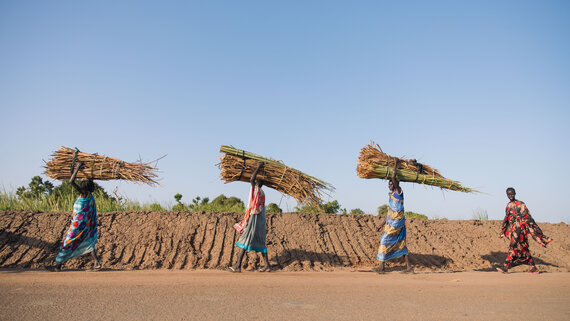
(219, 295)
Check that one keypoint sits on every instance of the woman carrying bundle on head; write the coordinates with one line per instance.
(81, 236)
(253, 227)
(517, 225)
(393, 240)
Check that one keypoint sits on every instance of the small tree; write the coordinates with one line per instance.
(36, 188)
(383, 210)
(332, 207)
(356, 211)
(156, 207)
(179, 207)
(273, 208)
(218, 204)
(195, 204)
(65, 190)
(411, 214)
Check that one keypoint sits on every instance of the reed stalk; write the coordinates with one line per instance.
(239, 165)
(98, 167)
(374, 163)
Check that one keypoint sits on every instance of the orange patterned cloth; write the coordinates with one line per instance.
(255, 205)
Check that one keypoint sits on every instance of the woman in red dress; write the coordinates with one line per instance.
(517, 225)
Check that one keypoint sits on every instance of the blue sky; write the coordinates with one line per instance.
(480, 91)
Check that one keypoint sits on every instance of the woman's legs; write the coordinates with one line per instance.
(237, 266)
(267, 266)
(408, 266)
(55, 268)
(96, 265)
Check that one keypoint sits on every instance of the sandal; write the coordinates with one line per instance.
(534, 271)
(53, 268)
(502, 271)
(233, 270)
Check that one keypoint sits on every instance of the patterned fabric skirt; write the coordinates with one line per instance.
(393, 240)
(81, 235)
(518, 246)
(254, 235)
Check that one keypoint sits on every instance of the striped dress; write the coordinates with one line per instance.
(393, 241)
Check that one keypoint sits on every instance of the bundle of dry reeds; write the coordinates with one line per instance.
(239, 165)
(99, 167)
(374, 163)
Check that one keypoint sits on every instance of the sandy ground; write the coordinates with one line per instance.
(219, 295)
(169, 266)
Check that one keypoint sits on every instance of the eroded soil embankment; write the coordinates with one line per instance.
(296, 242)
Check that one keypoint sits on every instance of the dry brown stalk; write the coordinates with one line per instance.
(374, 163)
(372, 156)
(238, 165)
(98, 167)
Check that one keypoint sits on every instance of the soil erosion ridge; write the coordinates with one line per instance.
(295, 241)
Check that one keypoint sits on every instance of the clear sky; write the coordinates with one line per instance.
(478, 90)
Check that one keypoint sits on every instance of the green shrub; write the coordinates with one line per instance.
(156, 207)
(356, 211)
(273, 208)
(218, 204)
(410, 214)
(328, 207)
(180, 208)
(383, 210)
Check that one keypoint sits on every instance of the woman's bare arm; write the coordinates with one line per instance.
(254, 176)
(395, 181)
(72, 179)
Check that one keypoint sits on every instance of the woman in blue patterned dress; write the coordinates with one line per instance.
(393, 241)
(81, 236)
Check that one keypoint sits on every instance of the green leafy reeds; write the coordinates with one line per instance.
(374, 163)
(64, 203)
(239, 165)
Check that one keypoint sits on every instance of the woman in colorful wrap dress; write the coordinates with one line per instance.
(81, 236)
(393, 240)
(517, 225)
(253, 228)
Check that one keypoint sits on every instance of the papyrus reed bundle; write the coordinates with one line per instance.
(374, 163)
(98, 167)
(239, 165)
